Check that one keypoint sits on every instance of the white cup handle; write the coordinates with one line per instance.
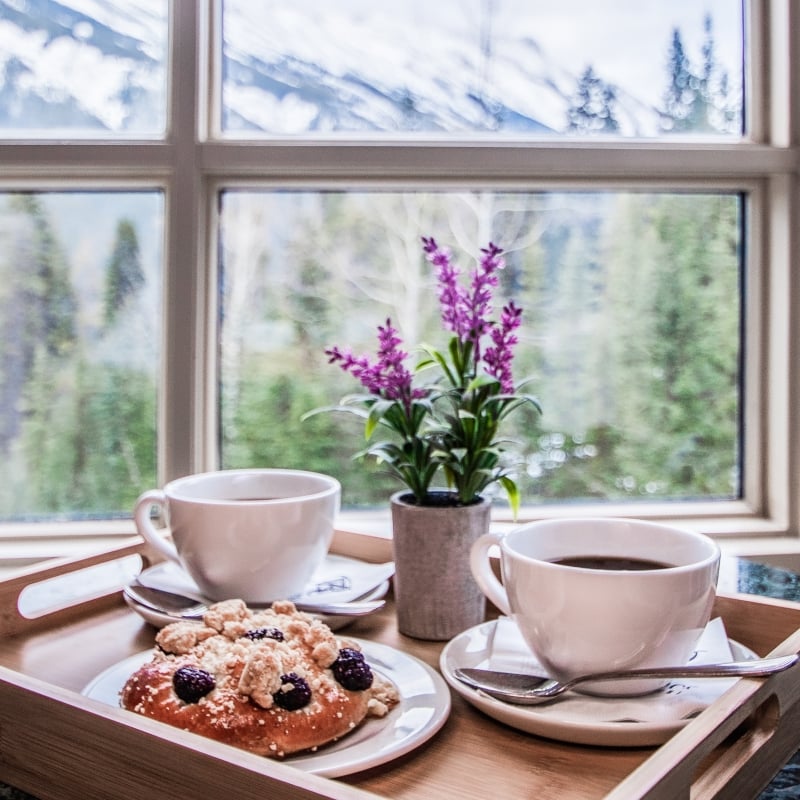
(484, 574)
(141, 516)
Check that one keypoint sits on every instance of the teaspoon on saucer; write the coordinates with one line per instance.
(181, 607)
(523, 689)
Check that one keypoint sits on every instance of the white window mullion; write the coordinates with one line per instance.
(181, 404)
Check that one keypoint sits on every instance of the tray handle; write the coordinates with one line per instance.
(59, 590)
(755, 717)
(25, 597)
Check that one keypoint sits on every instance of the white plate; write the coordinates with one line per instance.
(159, 620)
(581, 719)
(423, 708)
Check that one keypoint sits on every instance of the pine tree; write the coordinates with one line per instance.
(124, 276)
(37, 307)
(696, 101)
(592, 107)
(681, 94)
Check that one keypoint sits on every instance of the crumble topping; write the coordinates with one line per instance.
(181, 637)
(270, 669)
(220, 642)
(261, 676)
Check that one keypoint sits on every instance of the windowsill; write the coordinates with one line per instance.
(368, 533)
(365, 535)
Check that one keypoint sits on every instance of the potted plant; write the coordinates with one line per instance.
(443, 418)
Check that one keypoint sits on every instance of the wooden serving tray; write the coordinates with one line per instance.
(58, 745)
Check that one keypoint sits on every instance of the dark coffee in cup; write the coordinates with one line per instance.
(610, 563)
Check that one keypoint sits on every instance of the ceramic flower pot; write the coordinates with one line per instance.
(435, 593)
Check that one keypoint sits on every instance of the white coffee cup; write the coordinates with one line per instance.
(580, 620)
(254, 534)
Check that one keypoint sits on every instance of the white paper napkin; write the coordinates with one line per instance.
(509, 652)
(343, 579)
(669, 709)
(338, 578)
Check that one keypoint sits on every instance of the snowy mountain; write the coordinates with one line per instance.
(87, 64)
(80, 65)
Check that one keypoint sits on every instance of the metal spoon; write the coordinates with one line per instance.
(531, 690)
(181, 607)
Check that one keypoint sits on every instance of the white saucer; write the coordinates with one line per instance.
(423, 709)
(339, 578)
(159, 620)
(582, 719)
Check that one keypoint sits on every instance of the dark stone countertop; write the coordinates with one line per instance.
(768, 581)
(750, 578)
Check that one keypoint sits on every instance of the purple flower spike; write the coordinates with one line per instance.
(452, 298)
(484, 280)
(388, 376)
(467, 313)
(499, 357)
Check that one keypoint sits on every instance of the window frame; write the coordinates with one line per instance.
(193, 163)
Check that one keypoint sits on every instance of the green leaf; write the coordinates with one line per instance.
(359, 412)
(481, 380)
(436, 357)
(513, 494)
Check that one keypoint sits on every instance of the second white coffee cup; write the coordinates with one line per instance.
(598, 595)
(253, 534)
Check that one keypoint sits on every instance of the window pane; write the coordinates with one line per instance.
(83, 67)
(80, 298)
(631, 330)
(512, 67)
